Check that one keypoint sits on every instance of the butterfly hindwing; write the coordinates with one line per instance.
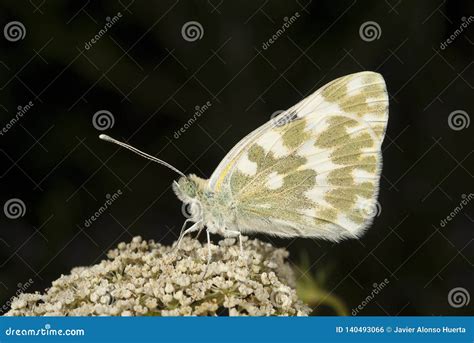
(314, 170)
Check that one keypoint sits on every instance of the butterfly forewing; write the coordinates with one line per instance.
(314, 170)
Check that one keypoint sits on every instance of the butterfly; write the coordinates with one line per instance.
(312, 171)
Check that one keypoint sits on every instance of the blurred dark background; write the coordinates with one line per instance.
(150, 78)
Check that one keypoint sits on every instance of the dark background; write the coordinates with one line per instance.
(151, 80)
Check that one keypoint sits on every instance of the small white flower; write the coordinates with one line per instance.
(169, 288)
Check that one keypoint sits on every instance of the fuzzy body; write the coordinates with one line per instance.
(216, 211)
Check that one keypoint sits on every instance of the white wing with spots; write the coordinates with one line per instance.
(313, 171)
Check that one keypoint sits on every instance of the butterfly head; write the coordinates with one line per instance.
(190, 190)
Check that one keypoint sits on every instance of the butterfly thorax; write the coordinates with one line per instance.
(213, 210)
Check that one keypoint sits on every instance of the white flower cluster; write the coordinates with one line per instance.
(146, 278)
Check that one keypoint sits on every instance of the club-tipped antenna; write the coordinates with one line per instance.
(141, 153)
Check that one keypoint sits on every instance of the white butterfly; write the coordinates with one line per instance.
(313, 171)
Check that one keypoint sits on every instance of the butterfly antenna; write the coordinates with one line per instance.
(141, 153)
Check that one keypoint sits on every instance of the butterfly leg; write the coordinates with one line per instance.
(235, 233)
(209, 254)
(184, 226)
(194, 227)
(199, 232)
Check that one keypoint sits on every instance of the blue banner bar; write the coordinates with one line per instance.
(220, 329)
